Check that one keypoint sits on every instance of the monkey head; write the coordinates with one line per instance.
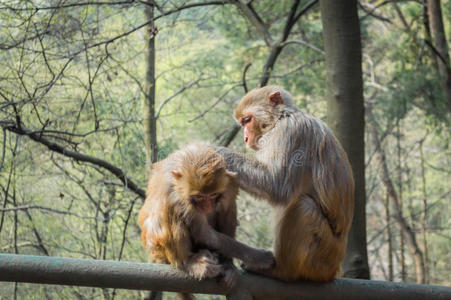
(259, 110)
(201, 179)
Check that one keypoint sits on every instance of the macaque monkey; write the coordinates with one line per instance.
(302, 171)
(189, 217)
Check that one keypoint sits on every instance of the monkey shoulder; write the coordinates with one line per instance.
(299, 127)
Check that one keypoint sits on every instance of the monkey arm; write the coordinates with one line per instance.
(205, 235)
(226, 223)
(256, 177)
(226, 219)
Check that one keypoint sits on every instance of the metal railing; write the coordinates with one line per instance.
(146, 276)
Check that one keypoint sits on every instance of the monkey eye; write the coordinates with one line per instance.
(215, 196)
(246, 120)
(196, 198)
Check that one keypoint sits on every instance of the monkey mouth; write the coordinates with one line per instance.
(208, 206)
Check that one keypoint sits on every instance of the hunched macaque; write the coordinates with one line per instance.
(189, 217)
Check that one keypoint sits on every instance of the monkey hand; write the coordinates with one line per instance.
(229, 276)
(204, 264)
(261, 260)
(228, 155)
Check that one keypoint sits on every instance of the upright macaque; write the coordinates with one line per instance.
(189, 216)
(302, 171)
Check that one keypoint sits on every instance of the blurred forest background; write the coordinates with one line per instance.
(87, 86)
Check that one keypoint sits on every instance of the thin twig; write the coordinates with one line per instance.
(119, 173)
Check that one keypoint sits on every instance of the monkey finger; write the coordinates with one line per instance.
(229, 278)
(263, 272)
(213, 256)
(212, 270)
(248, 268)
(209, 257)
(210, 261)
(245, 267)
(262, 260)
(258, 269)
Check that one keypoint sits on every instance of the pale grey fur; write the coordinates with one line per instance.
(286, 154)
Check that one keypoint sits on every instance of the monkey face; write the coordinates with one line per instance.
(205, 203)
(258, 112)
(251, 131)
(200, 178)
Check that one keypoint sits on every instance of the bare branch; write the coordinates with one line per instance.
(291, 20)
(98, 3)
(304, 10)
(229, 135)
(276, 49)
(191, 5)
(248, 10)
(157, 115)
(298, 68)
(394, 199)
(304, 43)
(40, 246)
(439, 55)
(21, 130)
(124, 34)
(24, 244)
(214, 104)
(383, 3)
(370, 12)
(3, 150)
(246, 68)
(43, 208)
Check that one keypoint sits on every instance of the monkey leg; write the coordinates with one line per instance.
(230, 274)
(203, 264)
(200, 265)
(304, 246)
(154, 295)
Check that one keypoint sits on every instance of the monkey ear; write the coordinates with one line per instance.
(230, 174)
(176, 173)
(275, 99)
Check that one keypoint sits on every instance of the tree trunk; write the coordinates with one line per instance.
(428, 34)
(400, 202)
(392, 195)
(424, 215)
(440, 44)
(150, 122)
(341, 34)
(403, 256)
(389, 239)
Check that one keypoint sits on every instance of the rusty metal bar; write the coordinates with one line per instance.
(144, 276)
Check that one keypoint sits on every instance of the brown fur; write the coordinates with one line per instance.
(176, 231)
(302, 170)
(168, 212)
